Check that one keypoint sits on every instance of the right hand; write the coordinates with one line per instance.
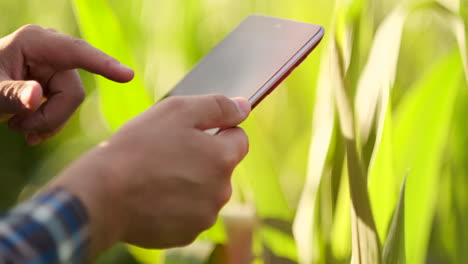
(161, 180)
(38, 63)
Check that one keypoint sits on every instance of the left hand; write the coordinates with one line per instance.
(161, 180)
(39, 86)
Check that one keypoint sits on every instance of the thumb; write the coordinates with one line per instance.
(19, 96)
(217, 111)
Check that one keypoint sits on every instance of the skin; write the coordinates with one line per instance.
(161, 179)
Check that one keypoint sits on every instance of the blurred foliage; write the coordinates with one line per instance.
(383, 97)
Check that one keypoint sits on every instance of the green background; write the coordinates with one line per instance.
(381, 102)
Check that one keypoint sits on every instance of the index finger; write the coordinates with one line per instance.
(235, 144)
(64, 52)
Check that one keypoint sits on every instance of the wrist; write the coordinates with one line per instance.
(93, 180)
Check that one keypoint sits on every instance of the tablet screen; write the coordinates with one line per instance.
(249, 57)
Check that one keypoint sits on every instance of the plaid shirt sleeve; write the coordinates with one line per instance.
(51, 228)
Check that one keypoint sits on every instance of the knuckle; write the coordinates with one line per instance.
(25, 34)
(78, 42)
(244, 141)
(219, 163)
(176, 104)
(31, 28)
(79, 96)
(188, 239)
(220, 99)
(107, 61)
(224, 196)
(229, 161)
(51, 30)
(223, 163)
(207, 221)
(220, 103)
(28, 30)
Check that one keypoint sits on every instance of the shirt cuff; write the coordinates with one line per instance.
(50, 228)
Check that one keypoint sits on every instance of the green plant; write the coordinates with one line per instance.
(360, 155)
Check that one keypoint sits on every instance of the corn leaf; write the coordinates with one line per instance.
(383, 185)
(216, 234)
(366, 244)
(341, 230)
(453, 5)
(379, 73)
(146, 256)
(280, 243)
(452, 12)
(458, 28)
(373, 109)
(394, 249)
(422, 123)
(323, 124)
(101, 28)
(258, 175)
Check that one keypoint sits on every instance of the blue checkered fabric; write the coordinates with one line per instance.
(51, 228)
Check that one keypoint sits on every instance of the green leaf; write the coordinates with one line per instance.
(366, 244)
(146, 256)
(196, 253)
(383, 185)
(373, 109)
(100, 27)
(459, 30)
(379, 74)
(258, 175)
(280, 243)
(323, 125)
(216, 234)
(453, 16)
(422, 124)
(394, 249)
(341, 229)
(453, 5)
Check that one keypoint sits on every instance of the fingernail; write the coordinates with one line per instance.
(243, 105)
(33, 139)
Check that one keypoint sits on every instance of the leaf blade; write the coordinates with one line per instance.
(394, 249)
(421, 152)
(122, 103)
(323, 125)
(379, 73)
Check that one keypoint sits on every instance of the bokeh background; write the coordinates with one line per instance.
(375, 120)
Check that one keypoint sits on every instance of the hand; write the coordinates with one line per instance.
(37, 63)
(161, 180)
